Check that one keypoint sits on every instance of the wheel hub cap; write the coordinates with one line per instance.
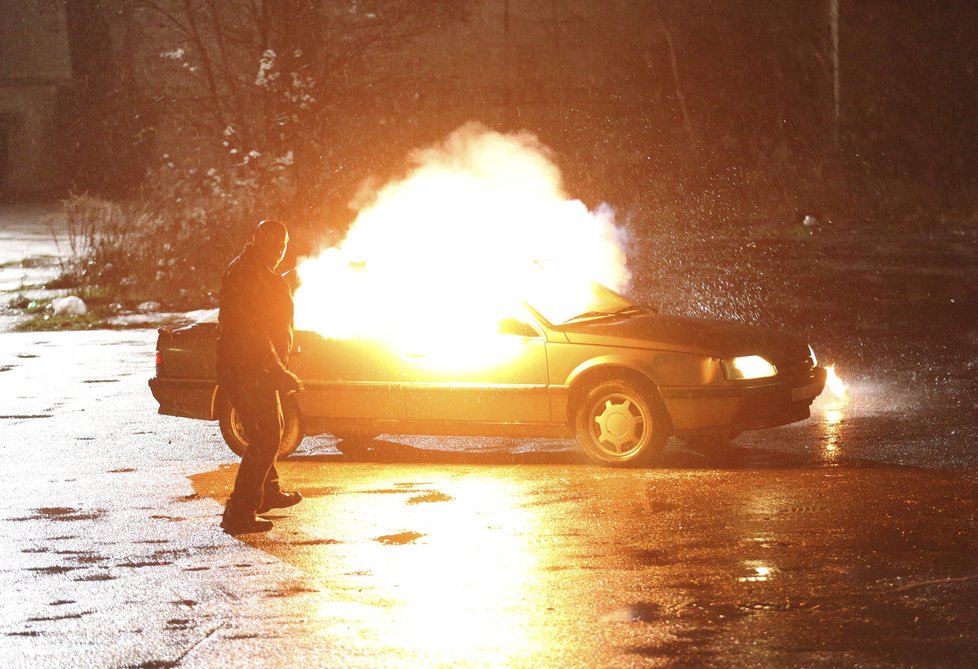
(620, 424)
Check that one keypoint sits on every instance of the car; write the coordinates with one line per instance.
(619, 377)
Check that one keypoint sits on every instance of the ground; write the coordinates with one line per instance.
(848, 539)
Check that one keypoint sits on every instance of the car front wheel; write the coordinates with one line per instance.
(622, 423)
(236, 436)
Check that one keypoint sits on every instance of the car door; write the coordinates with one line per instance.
(348, 378)
(497, 378)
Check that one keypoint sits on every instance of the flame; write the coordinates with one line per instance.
(478, 226)
(835, 384)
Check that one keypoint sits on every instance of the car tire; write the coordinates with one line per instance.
(622, 423)
(234, 433)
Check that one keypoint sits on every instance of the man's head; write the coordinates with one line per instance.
(270, 241)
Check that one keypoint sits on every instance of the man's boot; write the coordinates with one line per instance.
(236, 522)
(278, 500)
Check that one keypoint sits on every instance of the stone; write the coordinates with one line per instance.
(71, 305)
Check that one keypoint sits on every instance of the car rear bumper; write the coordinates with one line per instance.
(743, 407)
(189, 398)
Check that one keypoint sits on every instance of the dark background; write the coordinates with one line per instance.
(720, 110)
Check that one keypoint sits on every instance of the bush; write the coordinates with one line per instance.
(171, 245)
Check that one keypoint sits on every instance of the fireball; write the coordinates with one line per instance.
(479, 225)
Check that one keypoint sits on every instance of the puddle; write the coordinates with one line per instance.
(156, 664)
(96, 577)
(433, 496)
(291, 591)
(67, 616)
(654, 558)
(642, 612)
(56, 569)
(147, 563)
(399, 539)
(91, 559)
(317, 542)
(62, 513)
(777, 606)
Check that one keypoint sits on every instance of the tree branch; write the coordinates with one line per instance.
(205, 63)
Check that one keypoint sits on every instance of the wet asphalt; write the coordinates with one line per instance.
(810, 545)
(849, 539)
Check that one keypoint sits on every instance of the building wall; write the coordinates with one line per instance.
(34, 66)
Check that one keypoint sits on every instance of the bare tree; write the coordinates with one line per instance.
(262, 83)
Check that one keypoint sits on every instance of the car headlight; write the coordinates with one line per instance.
(748, 367)
(811, 352)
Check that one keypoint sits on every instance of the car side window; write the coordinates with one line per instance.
(517, 327)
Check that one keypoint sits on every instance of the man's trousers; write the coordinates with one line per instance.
(259, 407)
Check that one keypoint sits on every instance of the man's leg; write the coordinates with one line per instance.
(272, 484)
(272, 495)
(261, 413)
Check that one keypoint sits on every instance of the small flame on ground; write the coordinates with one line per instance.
(835, 384)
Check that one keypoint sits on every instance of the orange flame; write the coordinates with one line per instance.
(479, 224)
(835, 384)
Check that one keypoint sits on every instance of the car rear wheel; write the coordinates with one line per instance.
(622, 423)
(236, 436)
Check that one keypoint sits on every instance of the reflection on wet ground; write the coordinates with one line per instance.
(841, 540)
(558, 564)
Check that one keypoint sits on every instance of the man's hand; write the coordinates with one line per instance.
(290, 383)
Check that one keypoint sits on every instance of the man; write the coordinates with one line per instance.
(253, 347)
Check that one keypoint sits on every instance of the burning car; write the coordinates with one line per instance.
(619, 377)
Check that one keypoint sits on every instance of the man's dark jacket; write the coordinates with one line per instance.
(255, 320)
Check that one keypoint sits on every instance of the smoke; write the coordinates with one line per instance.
(462, 239)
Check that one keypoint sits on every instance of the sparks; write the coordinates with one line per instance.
(835, 384)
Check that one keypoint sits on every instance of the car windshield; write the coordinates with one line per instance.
(589, 302)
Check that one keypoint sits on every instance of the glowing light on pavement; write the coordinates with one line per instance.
(445, 580)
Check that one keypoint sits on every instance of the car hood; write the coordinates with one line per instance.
(690, 335)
